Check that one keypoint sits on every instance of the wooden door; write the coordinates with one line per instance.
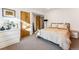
(41, 23)
(25, 24)
(37, 22)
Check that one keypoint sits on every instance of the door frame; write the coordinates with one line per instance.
(42, 16)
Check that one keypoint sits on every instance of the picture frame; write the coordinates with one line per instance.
(8, 12)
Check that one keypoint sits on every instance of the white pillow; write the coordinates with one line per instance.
(54, 25)
(62, 26)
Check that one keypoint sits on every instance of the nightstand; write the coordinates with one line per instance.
(74, 34)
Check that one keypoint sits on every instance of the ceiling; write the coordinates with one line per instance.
(42, 9)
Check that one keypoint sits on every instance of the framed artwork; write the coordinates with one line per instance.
(8, 12)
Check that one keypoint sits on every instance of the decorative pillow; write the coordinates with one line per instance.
(54, 25)
(62, 26)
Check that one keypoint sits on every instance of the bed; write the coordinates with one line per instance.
(58, 33)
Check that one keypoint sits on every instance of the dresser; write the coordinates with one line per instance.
(9, 37)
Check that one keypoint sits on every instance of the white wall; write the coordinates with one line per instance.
(34, 21)
(13, 36)
(16, 20)
(18, 10)
(70, 15)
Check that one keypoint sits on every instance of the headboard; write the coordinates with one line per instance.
(56, 25)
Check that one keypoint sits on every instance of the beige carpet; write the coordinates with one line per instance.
(34, 43)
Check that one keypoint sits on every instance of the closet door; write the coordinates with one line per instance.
(37, 22)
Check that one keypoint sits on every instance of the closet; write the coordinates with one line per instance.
(39, 23)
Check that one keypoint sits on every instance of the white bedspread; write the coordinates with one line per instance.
(58, 36)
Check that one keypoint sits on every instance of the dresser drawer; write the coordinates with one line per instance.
(5, 34)
(8, 38)
(9, 35)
